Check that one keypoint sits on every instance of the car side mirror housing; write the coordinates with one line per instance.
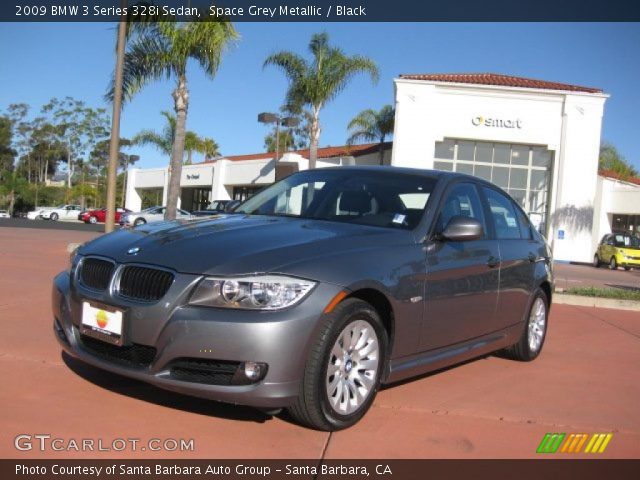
(463, 229)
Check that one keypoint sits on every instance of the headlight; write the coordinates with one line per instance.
(262, 292)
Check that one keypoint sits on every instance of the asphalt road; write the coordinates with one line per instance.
(585, 381)
(48, 224)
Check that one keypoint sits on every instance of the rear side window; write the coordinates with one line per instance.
(462, 200)
(503, 213)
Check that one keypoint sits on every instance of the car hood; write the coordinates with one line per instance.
(237, 244)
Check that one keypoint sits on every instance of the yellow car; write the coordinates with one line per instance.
(618, 249)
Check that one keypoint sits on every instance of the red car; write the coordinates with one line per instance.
(99, 215)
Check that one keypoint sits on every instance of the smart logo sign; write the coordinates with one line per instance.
(574, 443)
(494, 122)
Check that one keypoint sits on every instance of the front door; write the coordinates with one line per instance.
(462, 278)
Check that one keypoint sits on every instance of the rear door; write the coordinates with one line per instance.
(518, 255)
(462, 279)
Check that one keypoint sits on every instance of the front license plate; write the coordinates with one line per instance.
(103, 323)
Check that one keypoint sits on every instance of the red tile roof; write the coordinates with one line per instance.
(617, 176)
(325, 152)
(499, 80)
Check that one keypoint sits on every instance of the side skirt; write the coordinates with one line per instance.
(424, 362)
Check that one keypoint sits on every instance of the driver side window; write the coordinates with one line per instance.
(462, 200)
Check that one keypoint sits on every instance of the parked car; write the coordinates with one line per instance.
(62, 212)
(618, 249)
(4, 214)
(99, 215)
(153, 214)
(214, 208)
(36, 214)
(318, 289)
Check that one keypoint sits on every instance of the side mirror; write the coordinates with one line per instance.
(463, 229)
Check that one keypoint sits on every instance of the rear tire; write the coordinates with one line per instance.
(535, 330)
(337, 387)
(596, 261)
(93, 220)
(139, 221)
(613, 265)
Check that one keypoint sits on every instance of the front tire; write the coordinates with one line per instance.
(93, 220)
(53, 216)
(343, 369)
(613, 264)
(535, 332)
(596, 261)
(139, 221)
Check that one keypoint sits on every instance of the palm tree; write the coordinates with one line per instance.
(161, 49)
(164, 140)
(209, 147)
(371, 125)
(320, 80)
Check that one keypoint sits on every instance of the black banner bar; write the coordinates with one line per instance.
(595, 469)
(327, 10)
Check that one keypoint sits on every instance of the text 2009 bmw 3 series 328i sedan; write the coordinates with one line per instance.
(314, 292)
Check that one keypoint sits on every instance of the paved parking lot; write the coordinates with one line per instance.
(587, 380)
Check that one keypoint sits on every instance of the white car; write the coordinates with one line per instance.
(4, 214)
(62, 212)
(153, 214)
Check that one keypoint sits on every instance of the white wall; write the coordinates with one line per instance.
(613, 197)
(567, 123)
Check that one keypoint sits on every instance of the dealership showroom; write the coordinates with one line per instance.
(538, 140)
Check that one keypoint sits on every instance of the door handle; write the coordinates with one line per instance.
(493, 262)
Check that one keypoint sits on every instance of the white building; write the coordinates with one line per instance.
(538, 140)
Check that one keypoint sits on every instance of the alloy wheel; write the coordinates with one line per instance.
(537, 324)
(353, 367)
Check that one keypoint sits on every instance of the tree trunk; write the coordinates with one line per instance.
(315, 137)
(382, 151)
(181, 101)
(69, 164)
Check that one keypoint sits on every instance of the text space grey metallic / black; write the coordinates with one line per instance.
(314, 292)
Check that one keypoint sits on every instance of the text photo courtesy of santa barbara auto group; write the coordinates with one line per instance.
(316, 240)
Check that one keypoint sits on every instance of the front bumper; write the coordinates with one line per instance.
(279, 339)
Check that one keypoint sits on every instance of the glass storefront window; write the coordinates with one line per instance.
(484, 152)
(483, 171)
(541, 157)
(465, 150)
(518, 178)
(465, 168)
(519, 155)
(446, 166)
(445, 149)
(501, 153)
(501, 177)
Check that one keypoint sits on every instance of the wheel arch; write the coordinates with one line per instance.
(379, 301)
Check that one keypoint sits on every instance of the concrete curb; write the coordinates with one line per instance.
(597, 302)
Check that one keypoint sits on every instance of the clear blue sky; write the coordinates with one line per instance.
(41, 61)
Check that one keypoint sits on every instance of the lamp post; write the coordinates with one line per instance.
(279, 120)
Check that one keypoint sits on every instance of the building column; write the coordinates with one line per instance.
(133, 200)
(218, 191)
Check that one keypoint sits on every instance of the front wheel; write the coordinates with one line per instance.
(627, 268)
(93, 220)
(343, 369)
(530, 344)
(53, 216)
(139, 221)
(596, 261)
(613, 265)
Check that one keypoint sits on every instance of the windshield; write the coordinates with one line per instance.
(626, 241)
(382, 199)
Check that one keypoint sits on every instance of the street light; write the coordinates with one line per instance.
(289, 122)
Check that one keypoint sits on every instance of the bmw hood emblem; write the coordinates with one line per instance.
(133, 250)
